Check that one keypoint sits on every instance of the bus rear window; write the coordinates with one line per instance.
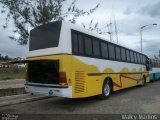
(45, 72)
(45, 36)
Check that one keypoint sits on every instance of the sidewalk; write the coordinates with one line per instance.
(12, 87)
(14, 83)
(15, 99)
(12, 92)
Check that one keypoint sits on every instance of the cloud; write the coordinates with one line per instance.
(151, 10)
(151, 47)
(7, 46)
(128, 11)
(10, 47)
(130, 16)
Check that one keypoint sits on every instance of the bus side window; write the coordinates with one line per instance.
(111, 51)
(123, 54)
(128, 56)
(81, 44)
(138, 57)
(74, 43)
(135, 56)
(144, 60)
(96, 48)
(104, 50)
(118, 53)
(141, 59)
(132, 56)
(88, 46)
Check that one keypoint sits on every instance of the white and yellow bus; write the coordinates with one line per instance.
(69, 61)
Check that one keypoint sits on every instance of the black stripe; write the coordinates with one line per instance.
(99, 74)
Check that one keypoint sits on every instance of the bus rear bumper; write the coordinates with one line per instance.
(49, 91)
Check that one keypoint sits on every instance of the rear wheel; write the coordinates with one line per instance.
(143, 81)
(106, 89)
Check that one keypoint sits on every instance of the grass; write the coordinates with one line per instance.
(12, 73)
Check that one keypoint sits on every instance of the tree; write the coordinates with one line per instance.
(32, 13)
(91, 26)
(6, 58)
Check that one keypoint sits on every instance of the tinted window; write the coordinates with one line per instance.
(118, 53)
(132, 56)
(44, 69)
(96, 48)
(123, 54)
(104, 49)
(111, 51)
(88, 46)
(144, 60)
(81, 44)
(135, 56)
(128, 56)
(45, 36)
(141, 58)
(75, 43)
(138, 57)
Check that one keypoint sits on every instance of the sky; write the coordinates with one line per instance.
(130, 15)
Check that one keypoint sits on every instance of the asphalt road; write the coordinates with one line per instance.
(141, 100)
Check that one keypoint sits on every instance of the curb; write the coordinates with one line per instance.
(12, 91)
(22, 100)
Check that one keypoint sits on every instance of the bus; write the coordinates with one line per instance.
(69, 61)
(154, 73)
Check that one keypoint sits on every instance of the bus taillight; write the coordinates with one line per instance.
(62, 77)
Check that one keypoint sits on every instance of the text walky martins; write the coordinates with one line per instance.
(139, 117)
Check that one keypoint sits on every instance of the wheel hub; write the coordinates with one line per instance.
(106, 90)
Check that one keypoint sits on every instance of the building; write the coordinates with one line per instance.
(6, 65)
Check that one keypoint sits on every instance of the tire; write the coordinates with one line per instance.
(106, 89)
(143, 81)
